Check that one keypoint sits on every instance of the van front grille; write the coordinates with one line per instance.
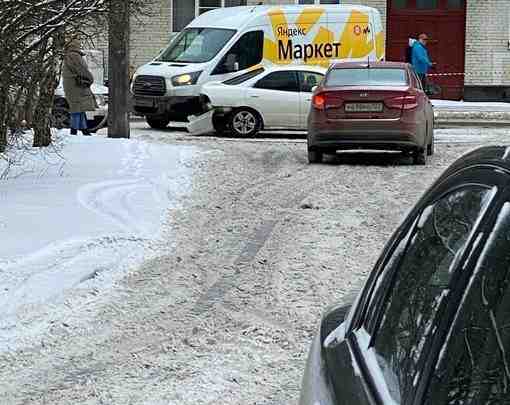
(149, 86)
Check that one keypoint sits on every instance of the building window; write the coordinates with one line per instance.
(317, 1)
(184, 11)
(207, 5)
(235, 3)
(399, 4)
(426, 4)
(456, 4)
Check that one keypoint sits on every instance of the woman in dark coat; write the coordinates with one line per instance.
(77, 81)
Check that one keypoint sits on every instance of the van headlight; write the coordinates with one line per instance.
(186, 79)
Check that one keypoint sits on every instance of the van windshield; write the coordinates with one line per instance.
(196, 45)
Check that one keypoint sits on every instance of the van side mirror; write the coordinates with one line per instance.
(236, 66)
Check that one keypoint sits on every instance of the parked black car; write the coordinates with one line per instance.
(432, 324)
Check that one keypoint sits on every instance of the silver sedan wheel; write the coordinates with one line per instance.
(244, 122)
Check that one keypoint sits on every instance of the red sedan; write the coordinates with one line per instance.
(380, 106)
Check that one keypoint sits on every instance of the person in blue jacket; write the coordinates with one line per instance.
(420, 58)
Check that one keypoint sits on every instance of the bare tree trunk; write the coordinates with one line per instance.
(44, 106)
(3, 126)
(4, 111)
(118, 70)
(29, 104)
(41, 126)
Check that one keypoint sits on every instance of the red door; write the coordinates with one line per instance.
(444, 21)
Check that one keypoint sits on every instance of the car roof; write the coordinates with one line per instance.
(357, 65)
(309, 68)
(238, 17)
(495, 156)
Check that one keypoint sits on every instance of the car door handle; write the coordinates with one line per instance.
(254, 96)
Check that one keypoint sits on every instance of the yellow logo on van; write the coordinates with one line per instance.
(313, 43)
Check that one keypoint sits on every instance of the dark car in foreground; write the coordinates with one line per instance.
(432, 323)
(379, 106)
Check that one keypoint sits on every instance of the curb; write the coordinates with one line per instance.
(467, 123)
(471, 118)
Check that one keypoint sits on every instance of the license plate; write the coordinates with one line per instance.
(363, 107)
(144, 102)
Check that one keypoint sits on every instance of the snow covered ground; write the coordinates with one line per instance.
(225, 314)
(85, 212)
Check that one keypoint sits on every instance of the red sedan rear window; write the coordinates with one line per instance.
(366, 77)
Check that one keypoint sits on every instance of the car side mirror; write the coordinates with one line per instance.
(236, 66)
(314, 88)
(333, 317)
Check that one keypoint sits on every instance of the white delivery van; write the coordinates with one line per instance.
(226, 42)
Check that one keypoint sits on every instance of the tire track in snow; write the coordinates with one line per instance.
(46, 273)
(111, 198)
(55, 268)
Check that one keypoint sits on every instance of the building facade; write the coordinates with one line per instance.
(470, 39)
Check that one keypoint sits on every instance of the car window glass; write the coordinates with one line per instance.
(366, 77)
(281, 81)
(244, 77)
(246, 52)
(474, 365)
(384, 279)
(309, 80)
(422, 284)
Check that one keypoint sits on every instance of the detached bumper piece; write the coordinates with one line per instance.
(202, 124)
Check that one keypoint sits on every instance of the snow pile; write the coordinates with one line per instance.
(85, 211)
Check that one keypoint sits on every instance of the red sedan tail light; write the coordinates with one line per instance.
(319, 101)
(324, 100)
(408, 102)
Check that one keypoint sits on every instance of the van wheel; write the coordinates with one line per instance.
(431, 146)
(420, 157)
(244, 123)
(157, 122)
(315, 156)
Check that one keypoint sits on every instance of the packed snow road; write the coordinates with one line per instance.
(224, 310)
